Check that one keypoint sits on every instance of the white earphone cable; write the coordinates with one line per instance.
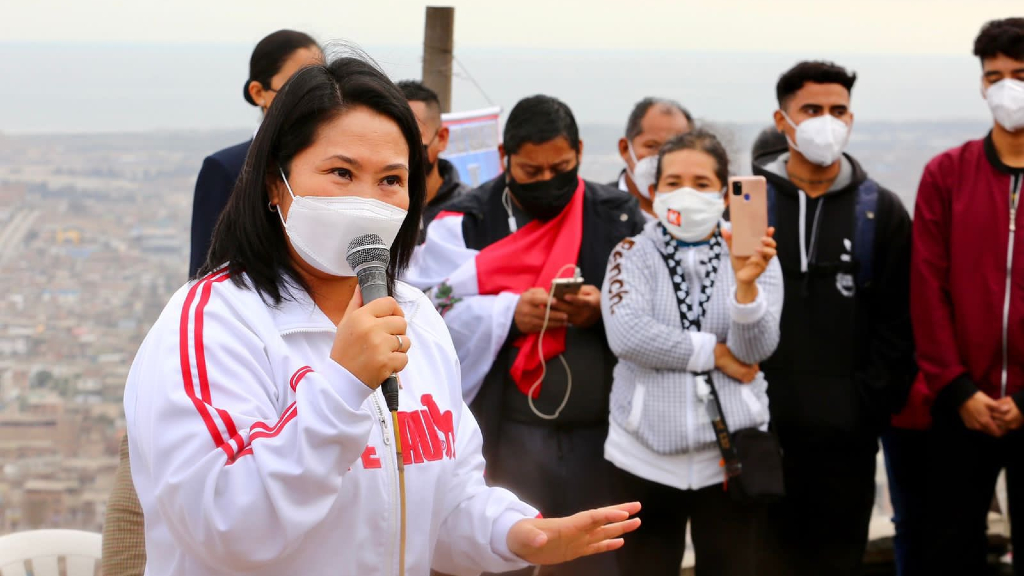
(544, 365)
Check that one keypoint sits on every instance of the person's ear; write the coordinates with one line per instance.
(780, 121)
(257, 94)
(579, 152)
(442, 139)
(276, 192)
(505, 161)
(652, 189)
(624, 151)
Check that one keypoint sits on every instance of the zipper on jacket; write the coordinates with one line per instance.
(392, 467)
(310, 330)
(1016, 183)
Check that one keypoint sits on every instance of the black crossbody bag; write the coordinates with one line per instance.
(752, 458)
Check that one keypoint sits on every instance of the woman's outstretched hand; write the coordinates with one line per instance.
(557, 540)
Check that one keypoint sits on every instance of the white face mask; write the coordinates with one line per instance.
(689, 215)
(1006, 100)
(643, 172)
(320, 227)
(820, 139)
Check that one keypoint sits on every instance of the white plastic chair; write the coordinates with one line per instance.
(41, 551)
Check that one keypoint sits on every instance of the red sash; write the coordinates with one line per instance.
(529, 258)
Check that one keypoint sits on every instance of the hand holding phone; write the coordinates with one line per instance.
(564, 286)
(751, 242)
(582, 305)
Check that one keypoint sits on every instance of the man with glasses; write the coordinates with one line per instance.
(443, 182)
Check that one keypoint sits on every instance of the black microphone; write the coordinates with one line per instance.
(369, 257)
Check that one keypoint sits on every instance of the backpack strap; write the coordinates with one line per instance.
(864, 231)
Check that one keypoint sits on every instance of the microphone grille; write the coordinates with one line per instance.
(366, 249)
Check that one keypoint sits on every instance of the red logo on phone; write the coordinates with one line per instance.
(674, 218)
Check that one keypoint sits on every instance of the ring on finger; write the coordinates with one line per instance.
(400, 343)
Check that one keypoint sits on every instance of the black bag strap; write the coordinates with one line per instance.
(723, 437)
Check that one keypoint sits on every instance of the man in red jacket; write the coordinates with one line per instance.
(967, 305)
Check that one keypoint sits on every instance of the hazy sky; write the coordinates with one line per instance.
(852, 26)
(91, 65)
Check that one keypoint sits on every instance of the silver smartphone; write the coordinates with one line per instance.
(565, 286)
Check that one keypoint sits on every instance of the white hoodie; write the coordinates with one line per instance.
(254, 453)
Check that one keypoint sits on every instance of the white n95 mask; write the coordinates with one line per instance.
(643, 172)
(1006, 100)
(820, 139)
(321, 227)
(689, 215)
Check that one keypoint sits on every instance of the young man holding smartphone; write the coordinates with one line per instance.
(968, 314)
(845, 360)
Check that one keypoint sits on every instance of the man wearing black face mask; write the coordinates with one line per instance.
(537, 378)
(443, 184)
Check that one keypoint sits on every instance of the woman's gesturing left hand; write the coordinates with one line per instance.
(557, 540)
(749, 268)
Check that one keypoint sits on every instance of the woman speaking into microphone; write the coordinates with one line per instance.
(259, 441)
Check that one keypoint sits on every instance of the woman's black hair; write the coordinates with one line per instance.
(700, 140)
(249, 237)
(270, 54)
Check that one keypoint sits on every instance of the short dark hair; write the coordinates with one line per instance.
(1004, 37)
(700, 140)
(539, 119)
(418, 92)
(818, 72)
(636, 117)
(248, 237)
(270, 54)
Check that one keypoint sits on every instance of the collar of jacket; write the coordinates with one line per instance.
(298, 313)
(993, 157)
(784, 185)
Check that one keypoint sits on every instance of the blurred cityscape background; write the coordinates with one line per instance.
(108, 109)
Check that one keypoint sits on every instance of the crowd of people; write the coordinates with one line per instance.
(674, 374)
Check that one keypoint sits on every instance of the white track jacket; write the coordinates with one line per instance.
(254, 453)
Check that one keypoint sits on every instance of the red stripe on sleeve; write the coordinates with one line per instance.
(186, 368)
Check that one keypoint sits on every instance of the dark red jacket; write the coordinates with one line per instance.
(967, 304)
